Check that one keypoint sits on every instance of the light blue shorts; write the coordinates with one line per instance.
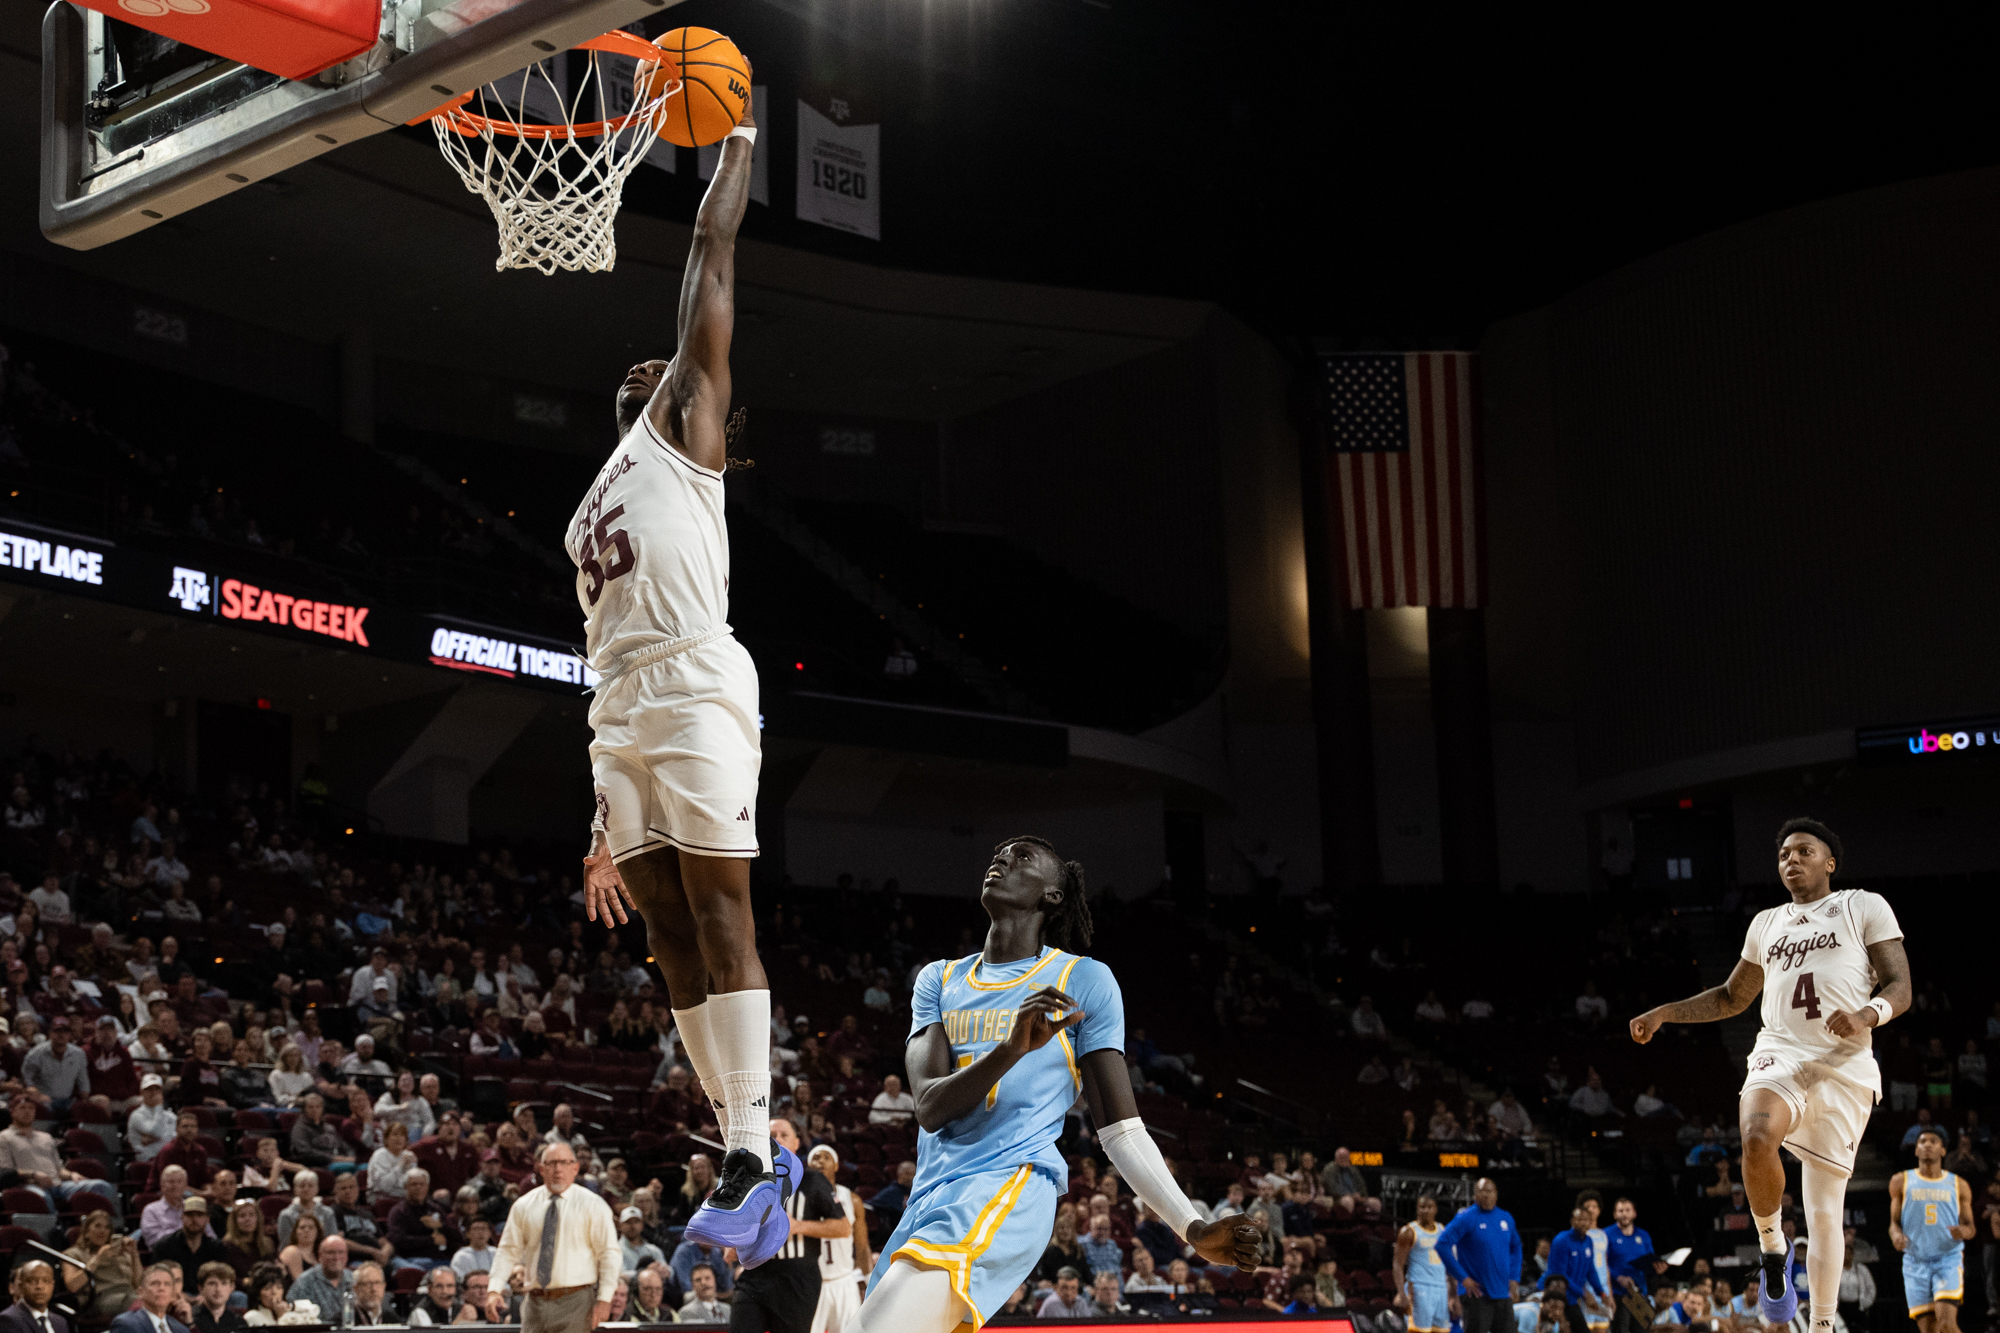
(1928, 1281)
(1430, 1309)
(986, 1232)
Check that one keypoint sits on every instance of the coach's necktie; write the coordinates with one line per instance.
(545, 1262)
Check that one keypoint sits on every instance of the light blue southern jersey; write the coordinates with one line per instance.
(1930, 1211)
(1600, 1250)
(1425, 1268)
(1022, 1116)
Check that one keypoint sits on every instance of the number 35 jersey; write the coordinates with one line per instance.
(651, 550)
(1022, 1116)
(1815, 961)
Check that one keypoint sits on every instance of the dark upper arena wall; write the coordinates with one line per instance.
(1738, 492)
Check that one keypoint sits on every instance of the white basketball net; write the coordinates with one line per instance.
(552, 176)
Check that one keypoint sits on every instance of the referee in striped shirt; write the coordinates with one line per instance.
(780, 1295)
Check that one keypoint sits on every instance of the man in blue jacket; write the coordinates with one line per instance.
(1481, 1249)
(1629, 1253)
(1574, 1259)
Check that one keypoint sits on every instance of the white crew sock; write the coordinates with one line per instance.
(1770, 1232)
(1825, 1200)
(699, 1042)
(740, 1029)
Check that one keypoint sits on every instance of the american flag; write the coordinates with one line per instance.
(1403, 432)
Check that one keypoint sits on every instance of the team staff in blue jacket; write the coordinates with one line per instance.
(1481, 1249)
(1629, 1255)
(1573, 1259)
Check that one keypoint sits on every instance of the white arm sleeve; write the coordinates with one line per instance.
(1132, 1150)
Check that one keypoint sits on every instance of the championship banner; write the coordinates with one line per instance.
(618, 72)
(1403, 485)
(840, 151)
(707, 159)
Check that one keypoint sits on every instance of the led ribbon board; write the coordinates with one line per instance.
(190, 584)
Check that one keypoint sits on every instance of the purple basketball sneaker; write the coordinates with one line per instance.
(1777, 1277)
(748, 1209)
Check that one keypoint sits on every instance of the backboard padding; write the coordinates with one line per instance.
(89, 200)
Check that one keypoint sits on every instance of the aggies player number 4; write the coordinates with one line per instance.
(1831, 967)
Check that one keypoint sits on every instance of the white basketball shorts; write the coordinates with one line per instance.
(839, 1308)
(676, 753)
(1829, 1113)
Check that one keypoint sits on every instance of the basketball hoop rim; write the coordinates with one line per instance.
(453, 115)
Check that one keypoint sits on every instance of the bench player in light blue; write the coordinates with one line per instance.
(1930, 1219)
(1423, 1291)
(1000, 1043)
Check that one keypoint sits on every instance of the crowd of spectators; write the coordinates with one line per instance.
(231, 1038)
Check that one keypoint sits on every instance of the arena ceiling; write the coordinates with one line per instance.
(1070, 183)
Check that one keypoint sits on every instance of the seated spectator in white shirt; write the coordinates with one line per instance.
(152, 1121)
(1366, 1022)
(1373, 1072)
(1510, 1118)
(362, 1059)
(476, 1255)
(178, 906)
(1590, 1006)
(892, 1106)
(1431, 1009)
(1476, 1010)
(1146, 1278)
(1593, 1101)
(52, 901)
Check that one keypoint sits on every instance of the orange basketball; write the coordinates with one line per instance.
(715, 87)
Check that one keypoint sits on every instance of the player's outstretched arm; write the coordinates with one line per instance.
(943, 1094)
(1122, 1133)
(1892, 970)
(1896, 1236)
(1729, 999)
(692, 412)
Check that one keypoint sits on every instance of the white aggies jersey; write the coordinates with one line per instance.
(1815, 961)
(836, 1257)
(651, 549)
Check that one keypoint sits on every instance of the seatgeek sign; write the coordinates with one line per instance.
(188, 585)
(1934, 744)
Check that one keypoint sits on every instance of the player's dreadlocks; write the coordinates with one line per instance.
(731, 433)
(1067, 925)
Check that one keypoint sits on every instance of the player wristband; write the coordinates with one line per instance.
(748, 132)
(1881, 1006)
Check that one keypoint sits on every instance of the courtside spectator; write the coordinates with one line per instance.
(1067, 1301)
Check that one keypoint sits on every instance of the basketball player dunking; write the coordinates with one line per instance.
(1812, 1083)
(676, 750)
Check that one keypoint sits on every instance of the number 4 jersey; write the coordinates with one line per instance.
(651, 550)
(1815, 961)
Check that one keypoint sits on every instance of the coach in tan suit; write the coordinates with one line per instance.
(560, 1249)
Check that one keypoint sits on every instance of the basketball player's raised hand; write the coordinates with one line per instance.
(1047, 1012)
(1231, 1241)
(604, 887)
(1644, 1026)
